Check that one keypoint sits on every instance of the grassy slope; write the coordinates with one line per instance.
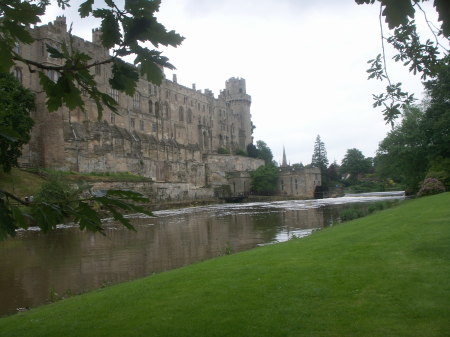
(384, 275)
(21, 183)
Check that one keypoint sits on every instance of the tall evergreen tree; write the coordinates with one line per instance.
(319, 157)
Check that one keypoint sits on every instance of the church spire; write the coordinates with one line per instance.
(284, 162)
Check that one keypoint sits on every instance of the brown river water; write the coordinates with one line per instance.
(36, 268)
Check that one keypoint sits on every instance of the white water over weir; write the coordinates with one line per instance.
(37, 267)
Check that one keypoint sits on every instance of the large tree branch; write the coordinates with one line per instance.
(62, 67)
(12, 196)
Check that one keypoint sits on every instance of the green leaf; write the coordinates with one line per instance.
(88, 218)
(152, 72)
(111, 35)
(85, 8)
(17, 32)
(53, 92)
(397, 12)
(7, 226)
(19, 217)
(6, 61)
(53, 52)
(443, 8)
(125, 77)
(9, 134)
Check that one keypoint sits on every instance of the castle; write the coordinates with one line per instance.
(168, 133)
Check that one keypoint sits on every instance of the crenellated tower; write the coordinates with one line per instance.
(239, 102)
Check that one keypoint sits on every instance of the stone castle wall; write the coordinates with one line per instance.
(169, 133)
(301, 182)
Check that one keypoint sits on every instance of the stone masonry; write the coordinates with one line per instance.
(169, 133)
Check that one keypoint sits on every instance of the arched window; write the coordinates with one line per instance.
(137, 101)
(166, 110)
(189, 116)
(181, 114)
(157, 109)
(150, 106)
(17, 72)
(53, 75)
(114, 93)
(17, 48)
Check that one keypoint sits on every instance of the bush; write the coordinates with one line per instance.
(240, 152)
(431, 186)
(351, 214)
(222, 150)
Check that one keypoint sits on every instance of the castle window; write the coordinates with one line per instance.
(53, 75)
(166, 111)
(240, 90)
(185, 99)
(17, 48)
(98, 69)
(167, 93)
(176, 97)
(150, 106)
(203, 108)
(181, 114)
(43, 49)
(114, 93)
(296, 185)
(157, 109)
(132, 123)
(198, 106)
(189, 116)
(282, 185)
(141, 125)
(154, 127)
(113, 118)
(17, 72)
(137, 101)
(50, 45)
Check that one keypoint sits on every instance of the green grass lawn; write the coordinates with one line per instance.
(384, 275)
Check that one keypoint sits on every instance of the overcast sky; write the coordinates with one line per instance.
(304, 63)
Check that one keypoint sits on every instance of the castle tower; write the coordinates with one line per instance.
(239, 102)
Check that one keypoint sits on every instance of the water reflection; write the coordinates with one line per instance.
(36, 266)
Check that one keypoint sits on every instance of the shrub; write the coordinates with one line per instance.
(241, 152)
(222, 150)
(350, 214)
(431, 186)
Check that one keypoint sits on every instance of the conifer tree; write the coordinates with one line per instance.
(319, 157)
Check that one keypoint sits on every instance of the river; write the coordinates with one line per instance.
(37, 268)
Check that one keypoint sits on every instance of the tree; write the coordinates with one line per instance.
(297, 166)
(333, 172)
(124, 31)
(419, 146)
(252, 151)
(264, 152)
(264, 179)
(424, 58)
(15, 106)
(354, 163)
(319, 157)
(402, 154)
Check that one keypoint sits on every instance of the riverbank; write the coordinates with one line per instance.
(383, 275)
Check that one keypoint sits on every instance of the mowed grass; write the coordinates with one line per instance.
(384, 275)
